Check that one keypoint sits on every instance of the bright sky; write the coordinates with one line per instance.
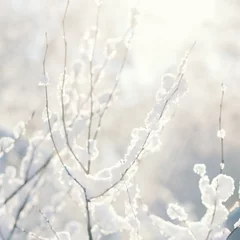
(166, 27)
(180, 12)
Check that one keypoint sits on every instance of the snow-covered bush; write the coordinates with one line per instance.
(56, 192)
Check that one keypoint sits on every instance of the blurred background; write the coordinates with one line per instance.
(165, 32)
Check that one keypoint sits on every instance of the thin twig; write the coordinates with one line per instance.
(61, 160)
(220, 129)
(104, 65)
(22, 208)
(143, 145)
(222, 159)
(35, 147)
(50, 129)
(50, 225)
(112, 92)
(213, 215)
(91, 87)
(232, 232)
(178, 80)
(29, 233)
(44, 166)
(130, 203)
(63, 88)
(89, 225)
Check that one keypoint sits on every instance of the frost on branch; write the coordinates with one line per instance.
(93, 151)
(213, 194)
(221, 133)
(144, 140)
(222, 234)
(200, 169)
(6, 145)
(110, 50)
(174, 211)
(167, 82)
(167, 98)
(225, 187)
(46, 114)
(71, 187)
(19, 129)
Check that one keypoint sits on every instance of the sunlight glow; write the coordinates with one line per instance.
(183, 13)
(168, 26)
